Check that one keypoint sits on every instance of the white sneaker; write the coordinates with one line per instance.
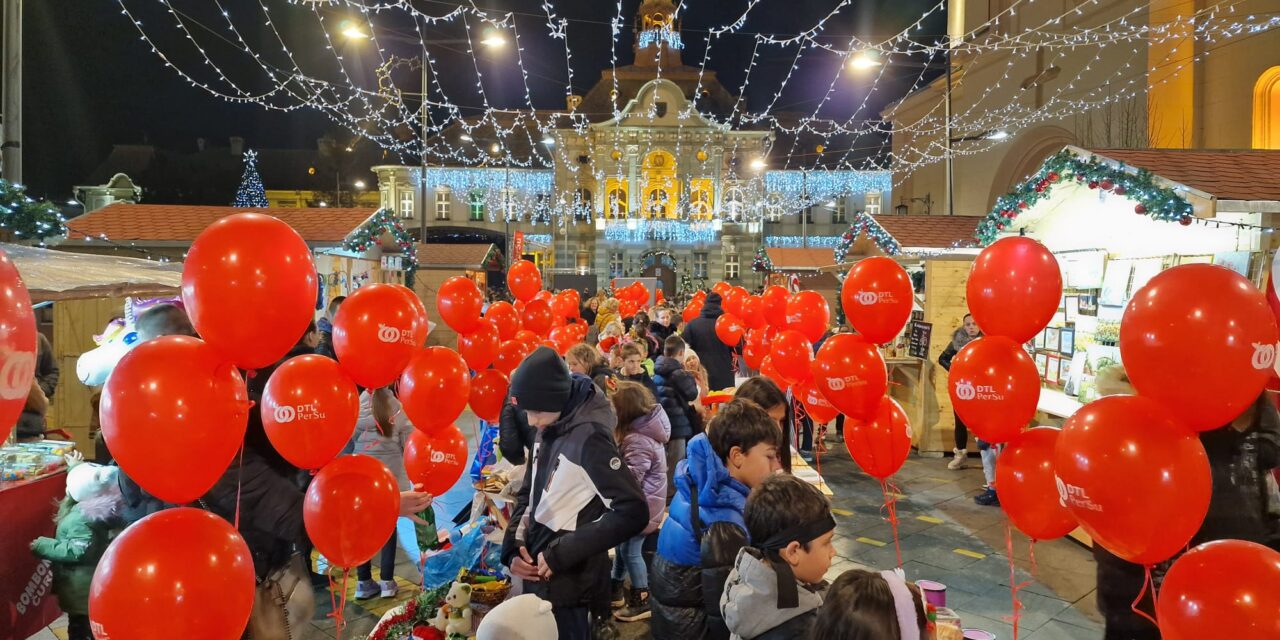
(389, 588)
(960, 461)
(366, 589)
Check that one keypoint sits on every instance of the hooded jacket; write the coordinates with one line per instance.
(645, 379)
(577, 502)
(643, 452)
(388, 450)
(750, 603)
(676, 389)
(84, 531)
(325, 346)
(716, 356)
(515, 436)
(694, 559)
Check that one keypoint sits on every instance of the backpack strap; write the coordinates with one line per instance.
(694, 520)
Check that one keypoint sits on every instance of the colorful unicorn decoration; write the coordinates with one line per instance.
(119, 337)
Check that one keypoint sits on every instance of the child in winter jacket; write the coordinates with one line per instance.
(775, 588)
(642, 431)
(633, 367)
(382, 430)
(705, 529)
(87, 518)
(676, 390)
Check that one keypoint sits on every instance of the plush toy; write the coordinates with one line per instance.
(521, 617)
(455, 615)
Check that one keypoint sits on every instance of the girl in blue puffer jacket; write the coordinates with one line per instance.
(705, 530)
(642, 431)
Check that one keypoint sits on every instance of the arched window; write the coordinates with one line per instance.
(1266, 110)
(661, 189)
(617, 203)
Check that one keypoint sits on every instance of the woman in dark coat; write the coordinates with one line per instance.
(701, 336)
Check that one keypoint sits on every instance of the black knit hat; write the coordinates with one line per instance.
(541, 383)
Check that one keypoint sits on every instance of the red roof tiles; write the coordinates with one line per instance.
(453, 255)
(182, 223)
(934, 232)
(1228, 174)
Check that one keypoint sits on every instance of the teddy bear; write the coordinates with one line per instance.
(454, 616)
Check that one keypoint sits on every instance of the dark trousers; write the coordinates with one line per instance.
(840, 425)
(806, 435)
(962, 433)
(78, 628)
(386, 560)
(573, 623)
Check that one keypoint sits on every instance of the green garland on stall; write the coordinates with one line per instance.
(1155, 200)
(762, 263)
(27, 218)
(863, 222)
(370, 233)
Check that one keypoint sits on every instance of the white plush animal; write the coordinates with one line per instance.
(455, 615)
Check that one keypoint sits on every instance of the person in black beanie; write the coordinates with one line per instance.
(578, 499)
(716, 356)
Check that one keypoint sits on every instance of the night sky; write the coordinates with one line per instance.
(90, 82)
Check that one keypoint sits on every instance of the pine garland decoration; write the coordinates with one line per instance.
(251, 192)
(864, 223)
(26, 218)
(762, 263)
(1155, 200)
(370, 234)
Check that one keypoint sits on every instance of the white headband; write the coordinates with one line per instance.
(904, 605)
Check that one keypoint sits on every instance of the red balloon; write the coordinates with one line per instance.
(480, 347)
(881, 444)
(851, 374)
(1014, 288)
(1221, 589)
(994, 387)
(510, 354)
(249, 285)
(419, 309)
(190, 571)
(17, 345)
(434, 388)
(174, 413)
(771, 372)
(732, 300)
(791, 354)
(538, 317)
(808, 313)
(376, 332)
(775, 305)
(757, 347)
(877, 298)
(1200, 323)
(563, 338)
(459, 302)
(1135, 479)
(753, 312)
(545, 296)
(1028, 488)
(488, 392)
(729, 329)
(815, 403)
(505, 317)
(691, 311)
(565, 306)
(628, 308)
(721, 288)
(530, 339)
(309, 409)
(350, 509)
(524, 280)
(435, 461)
(700, 296)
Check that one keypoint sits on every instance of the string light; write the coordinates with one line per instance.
(865, 223)
(792, 242)
(644, 231)
(369, 235)
(27, 218)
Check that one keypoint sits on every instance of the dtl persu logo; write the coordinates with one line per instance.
(868, 298)
(18, 365)
(966, 390)
(839, 384)
(392, 335)
(285, 414)
(1072, 496)
(1264, 356)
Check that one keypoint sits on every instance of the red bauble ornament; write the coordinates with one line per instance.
(1093, 184)
(1120, 190)
(1053, 176)
(1000, 226)
(1140, 209)
(1185, 221)
(1107, 184)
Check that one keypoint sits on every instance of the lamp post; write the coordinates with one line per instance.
(11, 161)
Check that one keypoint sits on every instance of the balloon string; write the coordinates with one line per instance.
(1032, 549)
(239, 485)
(1147, 582)
(338, 603)
(1014, 585)
(890, 492)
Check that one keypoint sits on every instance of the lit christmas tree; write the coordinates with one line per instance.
(251, 193)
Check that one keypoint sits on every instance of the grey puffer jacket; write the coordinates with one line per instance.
(750, 602)
(644, 453)
(389, 449)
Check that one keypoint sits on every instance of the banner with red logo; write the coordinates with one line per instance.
(517, 246)
(26, 582)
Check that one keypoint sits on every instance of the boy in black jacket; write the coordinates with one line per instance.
(578, 500)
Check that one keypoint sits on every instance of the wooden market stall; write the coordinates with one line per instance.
(439, 262)
(86, 292)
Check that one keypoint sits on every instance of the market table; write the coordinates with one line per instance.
(801, 469)
(27, 508)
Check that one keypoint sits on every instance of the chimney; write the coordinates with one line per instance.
(237, 146)
(200, 142)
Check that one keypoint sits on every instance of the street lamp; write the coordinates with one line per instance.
(758, 164)
(354, 33)
(863, 61)
(359, 184)
(493, 39)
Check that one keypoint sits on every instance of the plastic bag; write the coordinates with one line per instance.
(443, 567)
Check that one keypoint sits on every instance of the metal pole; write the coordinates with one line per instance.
(422, 176)
(12, 98)
(951, 194)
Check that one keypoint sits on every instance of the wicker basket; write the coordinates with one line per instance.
(489, 598)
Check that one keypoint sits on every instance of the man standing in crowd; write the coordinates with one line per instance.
(716, 356)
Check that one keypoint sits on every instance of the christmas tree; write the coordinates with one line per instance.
(251, 192)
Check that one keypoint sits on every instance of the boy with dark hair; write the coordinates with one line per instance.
(676, 389)
(633, 357)
(325, 347)
(578, 499)
(705, 529)
(163, 320)
(775, 588)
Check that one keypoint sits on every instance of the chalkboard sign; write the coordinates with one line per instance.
(920, 335)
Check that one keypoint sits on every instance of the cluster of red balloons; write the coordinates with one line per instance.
(631, 298)
(17, 345)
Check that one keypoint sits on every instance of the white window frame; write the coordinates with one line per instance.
(700, 264)
(616, 264)
(444, 202)
(406, 204)
(475, 206)
(873, 203)
(732, 266)
(839, 213)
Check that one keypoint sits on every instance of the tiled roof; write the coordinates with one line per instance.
(182, 223)
(941, 232)
(433, 255)
(789, 258)
(1228, 174)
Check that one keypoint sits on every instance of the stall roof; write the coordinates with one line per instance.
(932, 232)
(458, 256)
(63, 275)
(793, 258)
(182, 223)
(1227, 174)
